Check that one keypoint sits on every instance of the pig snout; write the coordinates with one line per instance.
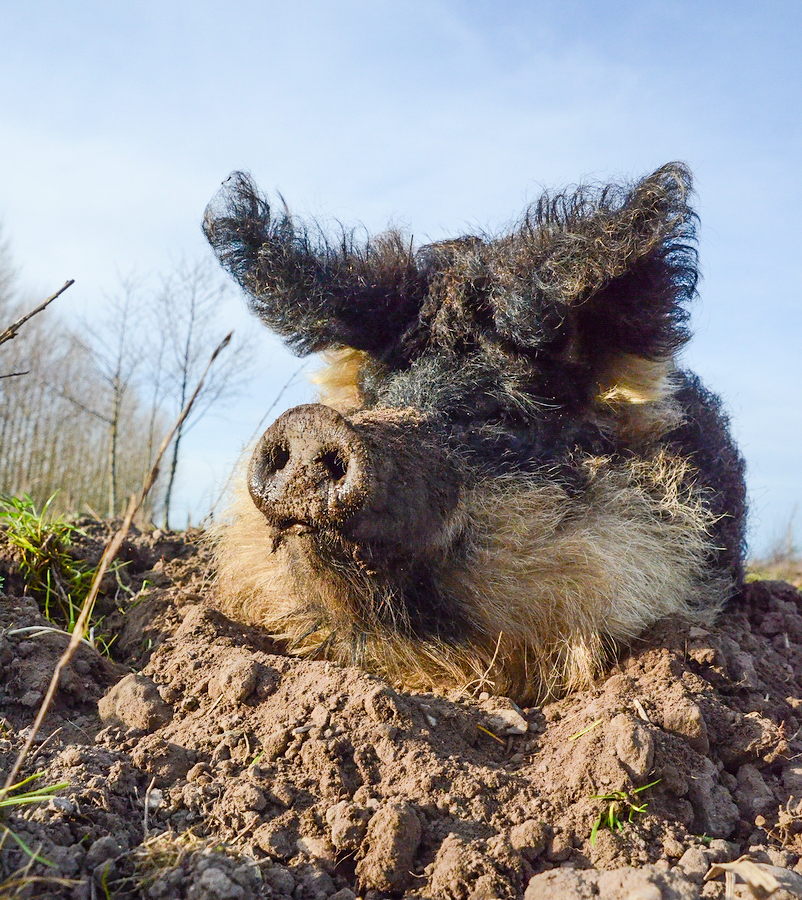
(371, 480)
(310, 468)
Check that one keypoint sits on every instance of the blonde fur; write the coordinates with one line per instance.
(338, 379)
(635, 398)
(546, 585)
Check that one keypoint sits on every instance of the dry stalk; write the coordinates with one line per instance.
(257, 432)
(11, 331)
(145, 823)
(112, 548)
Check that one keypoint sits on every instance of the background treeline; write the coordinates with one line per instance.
(84, 404)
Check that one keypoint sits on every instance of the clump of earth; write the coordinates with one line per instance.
(200, 761)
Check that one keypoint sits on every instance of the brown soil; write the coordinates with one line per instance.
(268, 776)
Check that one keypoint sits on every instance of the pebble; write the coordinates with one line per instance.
(236, 679)
(394, 834)
(792, 780)
(506, 722)
(280, 880)
(275, 839)
(694, 863)
(275, 745)
(136, 703)
(560, 848)
(684, 717)
(319, 717)
(634, 744)
(215, 884)
(529, 838)
(63, 805)
(348, 824)
(382, 705)
(672, 847)
(753, 794)
(248, 797)
(314, 882)
(103, 849)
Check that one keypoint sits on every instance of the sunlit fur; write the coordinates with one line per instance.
(598, 488)
(547, 585)
(338, 379)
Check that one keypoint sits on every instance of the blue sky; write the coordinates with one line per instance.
(119, 121)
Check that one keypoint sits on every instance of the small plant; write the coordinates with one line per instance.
(621, 808)
(53, 576)
(12, 797)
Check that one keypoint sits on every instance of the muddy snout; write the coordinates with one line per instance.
(309, 468)
(381, 479)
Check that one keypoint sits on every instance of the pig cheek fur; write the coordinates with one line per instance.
(542, 589)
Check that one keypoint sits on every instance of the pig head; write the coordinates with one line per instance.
(508, 474)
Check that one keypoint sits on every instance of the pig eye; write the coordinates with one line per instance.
(280, 457)
(336, 465)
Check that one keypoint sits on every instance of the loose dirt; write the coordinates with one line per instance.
(201, 762)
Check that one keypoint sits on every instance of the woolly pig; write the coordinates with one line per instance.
(508, 474)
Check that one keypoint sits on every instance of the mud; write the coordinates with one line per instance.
(202, 762)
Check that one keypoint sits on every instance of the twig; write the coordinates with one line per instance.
(147, 808)
(88, 410)
(112, 548)
(16, 374)
(495, 737)
(45, 742)
(641, 711)
(224, 489)
(36, 630)
(154, 472)
(75, 638)
(484, 679)
(11, 331)
(279, 395)
(584, 731)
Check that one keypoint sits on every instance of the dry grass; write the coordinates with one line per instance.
(782, 562)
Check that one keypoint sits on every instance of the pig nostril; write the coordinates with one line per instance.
(279, 457)
(336, 465)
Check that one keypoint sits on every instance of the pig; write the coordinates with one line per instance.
(509, 475)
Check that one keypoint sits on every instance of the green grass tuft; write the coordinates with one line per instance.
(53, 576)
(621, 808)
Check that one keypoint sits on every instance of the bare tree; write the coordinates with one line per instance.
(115, 354)
(7, 273)
(188, 308)
(88, 414)
(55, 419)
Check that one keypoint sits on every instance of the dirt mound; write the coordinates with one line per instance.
(201, 763)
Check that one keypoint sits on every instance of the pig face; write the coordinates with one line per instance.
(507, 474)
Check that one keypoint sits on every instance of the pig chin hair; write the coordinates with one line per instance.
(544, 587)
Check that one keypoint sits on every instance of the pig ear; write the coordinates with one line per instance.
(312, 292)
(603, 273)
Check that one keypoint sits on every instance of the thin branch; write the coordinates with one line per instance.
(222, 492)
(86, 409)
(147, 808)
(278, 397)
(109, 553)
(11, 331)
(154, 472)
(112, 549)
(16, 374)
